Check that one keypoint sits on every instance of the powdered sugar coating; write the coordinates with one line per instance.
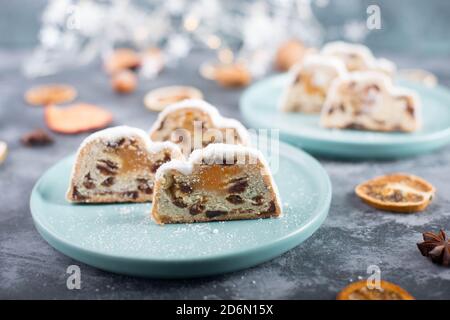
(340, 48)
(313, 61)
(184, 167)
(217, 119)
(386, 66)
(371, 77)
(212, 153)
(110, 135)
(319, 60)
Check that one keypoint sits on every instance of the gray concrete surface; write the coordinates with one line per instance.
(353, 237)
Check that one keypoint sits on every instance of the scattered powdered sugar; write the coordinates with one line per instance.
(126, 210)
(128, 230)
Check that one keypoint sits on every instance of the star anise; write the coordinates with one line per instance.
(436, 246)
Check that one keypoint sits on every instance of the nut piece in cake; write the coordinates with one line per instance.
(193, 124)
(118, 165)
(358, 57)
(219, 182)
(369, 101)
(396, 192)
(309, 84)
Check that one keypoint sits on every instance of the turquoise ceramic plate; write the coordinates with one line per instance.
(122, 238)
(259, 108)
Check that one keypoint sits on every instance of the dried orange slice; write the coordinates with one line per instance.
(50, 94)
(158, 99)
(360, 291)
(122, 59)
(396, 192)
(76, 118)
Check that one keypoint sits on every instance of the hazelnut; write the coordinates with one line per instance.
(232, 75)
(122, 59)
(124, 82)
(288, 54)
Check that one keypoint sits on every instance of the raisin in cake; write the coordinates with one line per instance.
(358, 57)
(369, 101)
(309, 83)
(220, 182)
(118, 165)
(194, 123)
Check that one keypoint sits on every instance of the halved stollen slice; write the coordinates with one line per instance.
(369, 101)
(219, 182)
(309, 83)
(118, 165)
(194, 123)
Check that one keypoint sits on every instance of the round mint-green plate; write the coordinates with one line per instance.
(259, 107)
(122, 238)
